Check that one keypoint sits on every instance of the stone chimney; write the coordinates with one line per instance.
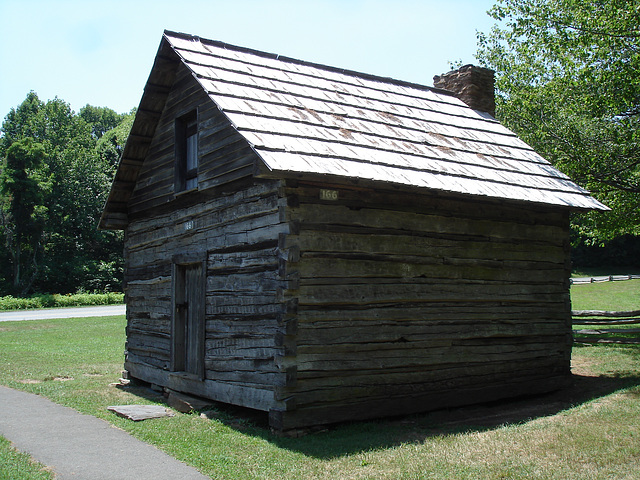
(473, 85)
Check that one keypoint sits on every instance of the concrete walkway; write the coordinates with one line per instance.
(72, 312)
(78, 446)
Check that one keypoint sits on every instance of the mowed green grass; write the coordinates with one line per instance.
(613, 296)
(19, 466)
(75, 362)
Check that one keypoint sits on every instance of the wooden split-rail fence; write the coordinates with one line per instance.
(604, 278)
(606, 327)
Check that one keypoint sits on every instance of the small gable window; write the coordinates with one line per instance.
(186, 132)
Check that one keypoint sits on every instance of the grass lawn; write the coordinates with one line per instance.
(589, 431)
(618, 296)
(19, 466)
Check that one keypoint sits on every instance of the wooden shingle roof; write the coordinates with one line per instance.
(308, 119)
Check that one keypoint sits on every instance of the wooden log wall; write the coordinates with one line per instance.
(237, 233)
(406, 303)
(230, 221)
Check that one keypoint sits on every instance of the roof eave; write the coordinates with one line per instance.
(154, 97)
(262, 170)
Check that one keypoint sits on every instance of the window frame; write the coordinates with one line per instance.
(186, 152)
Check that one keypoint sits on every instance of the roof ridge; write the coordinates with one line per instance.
(283, 58)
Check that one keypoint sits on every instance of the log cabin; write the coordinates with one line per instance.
(326, 245)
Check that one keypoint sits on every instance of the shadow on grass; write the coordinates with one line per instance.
(347, 439)
(357, 437)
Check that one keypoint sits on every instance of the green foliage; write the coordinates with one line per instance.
(618, 256)
(101, 119)
(24, 184)
(111, 144)
(57, 300)
(66, 193)
(568, 82)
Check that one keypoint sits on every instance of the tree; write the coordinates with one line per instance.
(20, 122)
(24, 183)
(101, 119)
(111, 145)
(72, 254)
(568, 83)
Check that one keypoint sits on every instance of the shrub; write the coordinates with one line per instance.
(55, 300)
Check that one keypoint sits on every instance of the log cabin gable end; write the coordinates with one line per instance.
(194, 154)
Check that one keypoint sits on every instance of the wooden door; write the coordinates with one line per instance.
(188, 320)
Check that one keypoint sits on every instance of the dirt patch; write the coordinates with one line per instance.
(58, 379)
(582, 367)
(29, 381)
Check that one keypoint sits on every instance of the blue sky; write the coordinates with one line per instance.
(100, 53)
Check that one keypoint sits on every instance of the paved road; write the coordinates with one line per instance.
(75, 312)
